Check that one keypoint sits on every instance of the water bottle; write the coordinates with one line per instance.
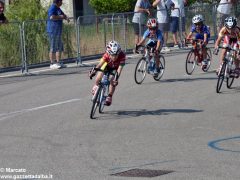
(105, 80)
(151, 64)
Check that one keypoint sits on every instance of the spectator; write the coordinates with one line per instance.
(54, 30)
(3, 19)
(223, 11)
(163, 19)
(176, 13)
(141, 11)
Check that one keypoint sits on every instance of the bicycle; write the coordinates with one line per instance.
(100, 95)
(147, 63)
(195, 57)
(227, 69)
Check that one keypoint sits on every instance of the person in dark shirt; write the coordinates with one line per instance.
(3, 19)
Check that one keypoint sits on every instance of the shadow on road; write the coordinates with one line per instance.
(144, 112)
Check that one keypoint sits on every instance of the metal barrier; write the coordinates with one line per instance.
(36, 43)
(26, 45)
(93, 33)
(11, 55)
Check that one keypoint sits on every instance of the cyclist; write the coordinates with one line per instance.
(155, 40)
(202, 33)
(231, 36)
(113, 60)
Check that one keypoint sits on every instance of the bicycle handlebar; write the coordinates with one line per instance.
(229, 48)
(116, 76)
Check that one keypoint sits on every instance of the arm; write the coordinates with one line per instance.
(189, 36)
(158, 45)
(205, 39)
(139, 9)
(119, 70)
(155, 3)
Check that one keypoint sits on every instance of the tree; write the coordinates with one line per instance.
(112, 6)
(21, 10)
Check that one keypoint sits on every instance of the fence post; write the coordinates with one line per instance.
(79, 60)
(124, 32)
(24, 48)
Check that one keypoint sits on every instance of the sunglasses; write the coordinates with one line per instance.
(198, 24)
(152, 28)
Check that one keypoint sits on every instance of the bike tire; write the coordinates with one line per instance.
(221, 76)
(102, 99)
(162, 68)
(140, 70)
(230, 78)
(95, 103)
(209, 58)
(190, 62)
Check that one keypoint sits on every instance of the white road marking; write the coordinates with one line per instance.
(11, 114)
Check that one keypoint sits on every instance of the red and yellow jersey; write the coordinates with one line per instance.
(113, 64)
(235, 34)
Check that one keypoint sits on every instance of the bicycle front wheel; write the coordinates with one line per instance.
(209, 60)
(140, 70)
(231, 76)
(221, 75)
(162, 68)
(102, 98)
(95, 101)
(190, 62)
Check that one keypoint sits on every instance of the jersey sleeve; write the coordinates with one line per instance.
(193, 29)
(122, 59)
(159, 36)
(146, 34)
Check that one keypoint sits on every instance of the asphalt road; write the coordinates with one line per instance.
(179, 124)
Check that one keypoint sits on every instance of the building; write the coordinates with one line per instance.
(74, 8)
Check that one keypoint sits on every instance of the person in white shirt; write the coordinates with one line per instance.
(141, 13)
(163, 18)
(223, 11)
(177, 11)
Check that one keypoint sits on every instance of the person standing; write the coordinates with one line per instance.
(3, 18)
(223, 11)
(54, 30)
(177, 12)
(163, 19)
(141, 11)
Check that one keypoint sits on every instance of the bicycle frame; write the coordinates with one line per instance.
(100, 95)
(227, 69)
(142, 67)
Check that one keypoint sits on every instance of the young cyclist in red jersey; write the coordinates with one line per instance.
(231, 34)
(113, 60)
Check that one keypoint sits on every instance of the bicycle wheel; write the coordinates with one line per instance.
(140, 70)
(209, 60)
(190, 62)
(102, 98)
(221, 78)
(231, 76)
(162, 68)
(95, 102)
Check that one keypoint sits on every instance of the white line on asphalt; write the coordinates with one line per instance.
(11, 114)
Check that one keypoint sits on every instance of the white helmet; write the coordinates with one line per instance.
(113, 48)
(230, 22)
(152, 23)
(197, 19)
